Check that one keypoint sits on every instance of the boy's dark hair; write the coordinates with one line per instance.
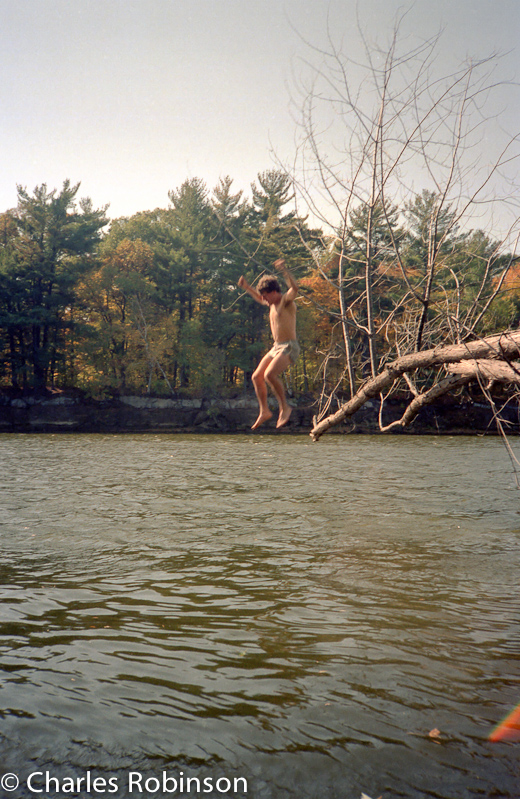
(268, 283)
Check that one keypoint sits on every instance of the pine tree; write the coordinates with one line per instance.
(52, 247)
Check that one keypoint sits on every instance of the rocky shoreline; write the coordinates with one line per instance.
(63, 412)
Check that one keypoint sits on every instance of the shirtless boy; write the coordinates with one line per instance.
(282, 317)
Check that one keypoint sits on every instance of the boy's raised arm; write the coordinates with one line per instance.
(242, 282)
(292, 285)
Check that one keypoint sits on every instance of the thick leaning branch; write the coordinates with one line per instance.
(426, 398)
(488, 370)
(505, 346)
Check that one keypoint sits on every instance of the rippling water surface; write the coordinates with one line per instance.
(300, 615)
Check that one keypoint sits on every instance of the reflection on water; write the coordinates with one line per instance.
(298, 614)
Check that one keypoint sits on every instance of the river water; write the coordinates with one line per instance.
(312, 620)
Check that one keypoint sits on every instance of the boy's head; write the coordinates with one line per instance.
(268, 284)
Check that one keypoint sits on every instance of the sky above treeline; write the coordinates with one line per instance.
(132, 97)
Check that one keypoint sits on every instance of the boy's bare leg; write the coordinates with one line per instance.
(260, 387)
(272, 375)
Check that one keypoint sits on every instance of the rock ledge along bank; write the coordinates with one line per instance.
(62, 412)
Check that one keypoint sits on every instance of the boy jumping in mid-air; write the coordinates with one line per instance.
(282, 317)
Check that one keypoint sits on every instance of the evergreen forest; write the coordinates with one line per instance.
(149, 304)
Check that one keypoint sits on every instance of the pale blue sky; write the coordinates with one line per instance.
(131, 97)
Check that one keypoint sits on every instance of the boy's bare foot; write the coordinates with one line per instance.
(264, 417)
(284, 416)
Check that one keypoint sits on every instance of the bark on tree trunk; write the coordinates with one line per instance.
(488, 370)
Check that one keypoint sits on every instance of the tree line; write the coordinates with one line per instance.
(147, 303)
(150, 304)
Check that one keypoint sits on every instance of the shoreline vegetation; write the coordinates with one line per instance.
(73, 412)
(149, 315)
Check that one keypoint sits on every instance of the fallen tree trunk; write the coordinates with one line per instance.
(500, 348)
(486, 369)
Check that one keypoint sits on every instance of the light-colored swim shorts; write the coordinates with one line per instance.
(290, 348)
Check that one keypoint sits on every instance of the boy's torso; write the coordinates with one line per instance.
(283, 321)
